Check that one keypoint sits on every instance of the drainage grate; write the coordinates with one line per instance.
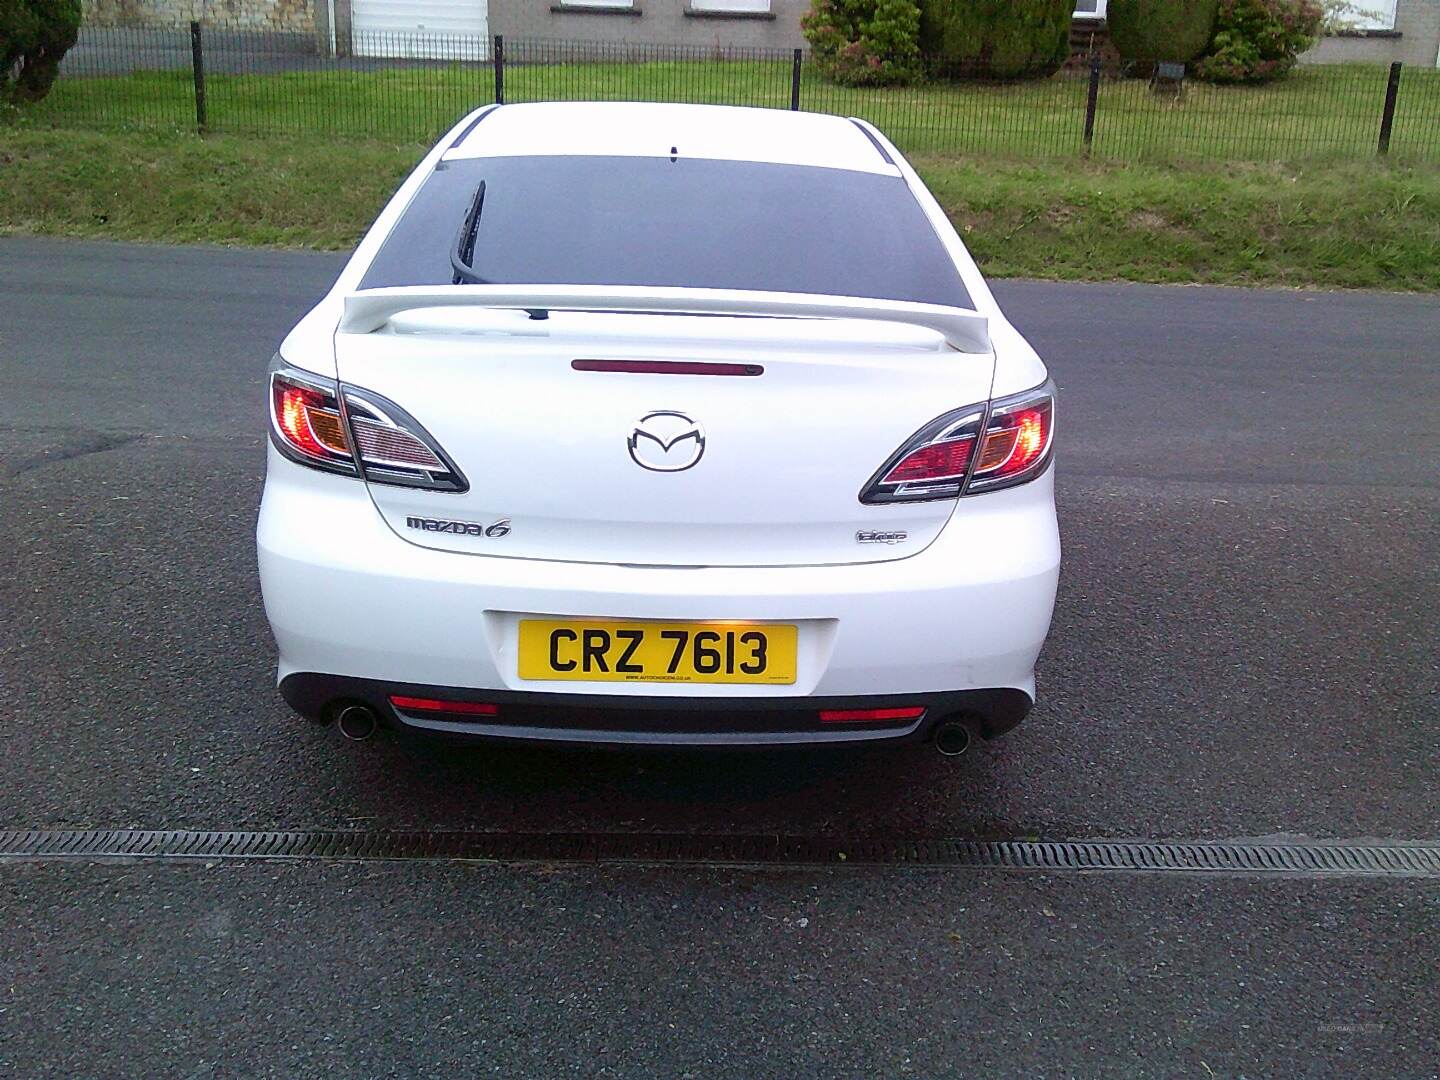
(682, 848)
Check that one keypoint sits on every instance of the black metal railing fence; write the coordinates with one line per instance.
(411, 87)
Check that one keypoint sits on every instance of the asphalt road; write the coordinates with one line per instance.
(1244, 646)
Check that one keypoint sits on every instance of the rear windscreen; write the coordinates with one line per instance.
(687, 223)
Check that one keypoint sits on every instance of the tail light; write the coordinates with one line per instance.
(1018, 438)
(393, 448)
(974, 449)
(365, 434)
(306, 422)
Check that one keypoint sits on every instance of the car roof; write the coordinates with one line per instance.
(644, 129)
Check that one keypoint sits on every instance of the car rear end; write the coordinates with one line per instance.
(598, 450)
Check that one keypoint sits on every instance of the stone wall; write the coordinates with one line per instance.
(286, 16)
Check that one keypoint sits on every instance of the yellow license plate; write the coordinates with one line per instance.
(594, 650)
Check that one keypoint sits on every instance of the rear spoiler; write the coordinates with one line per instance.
(964, 330)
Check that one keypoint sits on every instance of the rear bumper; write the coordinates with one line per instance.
(590, 719)
(349, 599)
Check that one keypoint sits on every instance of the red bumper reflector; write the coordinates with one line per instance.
(870, 716)
(667, 367)
(425, 704)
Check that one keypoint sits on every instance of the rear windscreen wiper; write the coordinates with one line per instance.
(462, 258)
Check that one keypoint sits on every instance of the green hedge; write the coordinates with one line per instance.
(1154, 30)
(995, 39)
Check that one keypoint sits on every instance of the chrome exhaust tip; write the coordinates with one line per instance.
(952, 738)
(356, 722)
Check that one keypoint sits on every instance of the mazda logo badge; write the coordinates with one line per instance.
(666, 441)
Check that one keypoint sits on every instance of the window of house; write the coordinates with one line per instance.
(752, 7)
(1089, 9)
(1372, 14)
(599, 3)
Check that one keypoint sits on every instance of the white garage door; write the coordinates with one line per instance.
(436, 29)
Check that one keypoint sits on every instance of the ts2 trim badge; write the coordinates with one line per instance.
(872, 536)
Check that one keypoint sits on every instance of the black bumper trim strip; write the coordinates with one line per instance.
(627, 717)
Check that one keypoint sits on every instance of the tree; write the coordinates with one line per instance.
(19, 29)
(995, 39)
(35, 35)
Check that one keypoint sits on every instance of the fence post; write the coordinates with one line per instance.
(1387, 118)
(1090, 101)
(795, 82)
(197, 68)
(499, 69)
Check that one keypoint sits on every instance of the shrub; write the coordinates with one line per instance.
(1171, 30)
(34, 36)
(1258, 40)
(998, 39)
(864, 42)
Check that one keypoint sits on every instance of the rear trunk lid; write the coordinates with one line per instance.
(758, 462)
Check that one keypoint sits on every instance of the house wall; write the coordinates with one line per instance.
(649, 22)
(1415, 40)
(290, 16)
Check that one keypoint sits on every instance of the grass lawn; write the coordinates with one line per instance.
(1326, 224)
(1330, 111)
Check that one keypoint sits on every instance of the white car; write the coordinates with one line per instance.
(660, 424)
